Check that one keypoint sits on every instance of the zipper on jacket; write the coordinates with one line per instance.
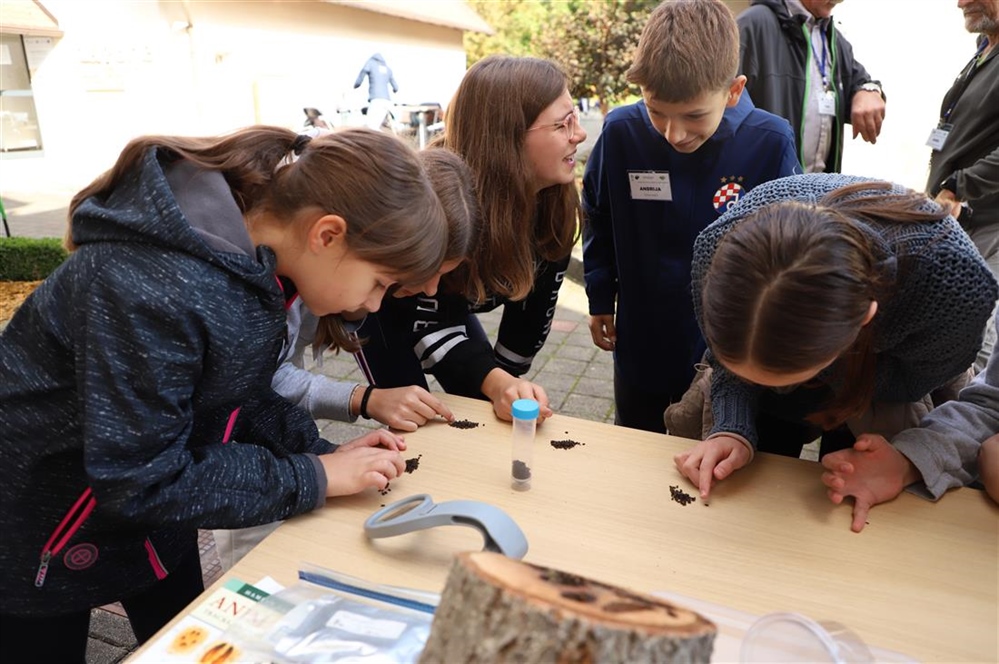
(230, 425)
(809, 56)
(70, 523)
(154, 561)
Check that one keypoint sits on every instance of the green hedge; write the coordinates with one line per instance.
(28, 258)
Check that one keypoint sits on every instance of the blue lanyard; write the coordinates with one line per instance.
(825, 56)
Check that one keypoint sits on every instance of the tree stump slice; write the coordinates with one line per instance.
(496, 609)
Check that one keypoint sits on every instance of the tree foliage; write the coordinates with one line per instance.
(594, 40)
(517, 24)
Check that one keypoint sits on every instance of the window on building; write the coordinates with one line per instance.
(18, 119)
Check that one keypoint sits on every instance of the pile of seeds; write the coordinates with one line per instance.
(680, 496)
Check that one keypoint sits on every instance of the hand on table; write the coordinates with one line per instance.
(867, 112)
(406, 408)
(354, 467)
(603, 332)
(378, 438)
(872, 471)
(712, 460)
(503, 389)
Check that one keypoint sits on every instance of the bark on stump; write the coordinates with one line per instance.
(496, 609)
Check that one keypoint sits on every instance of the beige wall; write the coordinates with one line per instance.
(916, 48)
(126, 68)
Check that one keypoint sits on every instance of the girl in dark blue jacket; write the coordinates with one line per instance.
(135, 403)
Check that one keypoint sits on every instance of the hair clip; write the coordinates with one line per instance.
(298, 145)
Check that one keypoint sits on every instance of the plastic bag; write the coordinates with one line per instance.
(332, 617)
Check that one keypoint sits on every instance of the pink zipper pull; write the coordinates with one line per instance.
(43, 569)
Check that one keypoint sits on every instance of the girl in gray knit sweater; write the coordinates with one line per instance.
(823, 299)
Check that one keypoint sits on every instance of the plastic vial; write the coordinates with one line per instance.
(525, 422)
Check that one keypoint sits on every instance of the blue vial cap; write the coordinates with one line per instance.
(526, 409)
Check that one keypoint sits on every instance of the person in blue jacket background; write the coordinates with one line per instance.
(380, 77)
(662, 170)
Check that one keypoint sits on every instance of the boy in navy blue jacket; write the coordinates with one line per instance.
(663, 169)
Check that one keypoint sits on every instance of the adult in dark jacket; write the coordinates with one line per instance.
(798, 66)
(135, 405)
(964, 164)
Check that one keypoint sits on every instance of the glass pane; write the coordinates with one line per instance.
(18, 120)
(13, 66)
(18, 123)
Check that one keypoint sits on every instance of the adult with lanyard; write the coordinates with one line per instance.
(964, 164)
(798, 66)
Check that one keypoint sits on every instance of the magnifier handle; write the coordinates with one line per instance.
(500, 532)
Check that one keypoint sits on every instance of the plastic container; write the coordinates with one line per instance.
(792, 637)
(525, 421)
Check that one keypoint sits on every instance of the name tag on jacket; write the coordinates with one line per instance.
(650, 185)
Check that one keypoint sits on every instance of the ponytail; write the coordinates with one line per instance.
(248, 159)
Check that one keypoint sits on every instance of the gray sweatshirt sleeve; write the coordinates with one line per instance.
(323, 397)
(945, 446)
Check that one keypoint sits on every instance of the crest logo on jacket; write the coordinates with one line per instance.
(730, 191)
(80, 556)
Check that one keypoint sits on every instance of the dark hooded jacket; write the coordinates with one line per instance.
(135, 400)
(774, 59)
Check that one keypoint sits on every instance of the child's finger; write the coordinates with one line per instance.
(390, 441)
(833, 481)
(705, 477)
(438, 407)
(375, 479)
(861, 508)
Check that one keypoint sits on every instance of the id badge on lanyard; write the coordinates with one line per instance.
(827, 103)
(827, 100)
(939, 136)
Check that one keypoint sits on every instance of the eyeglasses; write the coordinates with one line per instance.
(568, 124)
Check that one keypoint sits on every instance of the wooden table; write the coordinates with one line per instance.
(921, 579)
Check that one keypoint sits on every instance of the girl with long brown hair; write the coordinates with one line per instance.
(825, 300)
(135, 405)
(513, 121)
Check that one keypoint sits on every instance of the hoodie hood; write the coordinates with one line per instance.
(778, 7)
(175, 205)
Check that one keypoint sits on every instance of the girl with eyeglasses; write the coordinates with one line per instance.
(515, 124)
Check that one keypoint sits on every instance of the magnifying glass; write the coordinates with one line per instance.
(500, 532)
